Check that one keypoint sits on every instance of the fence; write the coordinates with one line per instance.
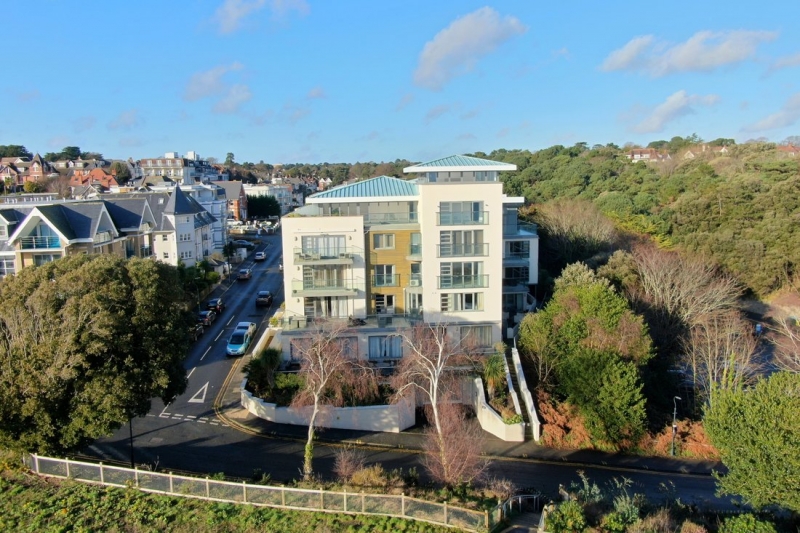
(393, 505)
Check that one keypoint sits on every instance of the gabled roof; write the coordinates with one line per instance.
(128, 212)
(232, 188)
(382, 186)
(181, 204)
(455, 163)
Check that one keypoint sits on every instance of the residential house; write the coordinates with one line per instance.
(236, 198)
(182, 170)
(789, 149)
(445, 248)
(282, 194)
(20, 170)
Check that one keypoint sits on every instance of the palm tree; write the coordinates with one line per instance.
(494, 372)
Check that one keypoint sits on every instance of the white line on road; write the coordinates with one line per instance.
(202, 421)
(200, 395)
(164, 409)
(191, 416)
(206, 352)
(220, 335)
(192, 370)
(165, 415)
(230, 320)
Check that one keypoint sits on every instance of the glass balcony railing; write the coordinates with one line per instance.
(397, 217)
(463, 250)
(463, 219)
(463, 282)
(414, 249)
(36, 243)
(326, 286)
(385, 280)
(334, 254)
(520, 228)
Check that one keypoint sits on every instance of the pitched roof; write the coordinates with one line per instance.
(460, 163)
(382, 186)
(181, 204)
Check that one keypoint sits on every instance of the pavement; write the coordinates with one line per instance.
(228, 408)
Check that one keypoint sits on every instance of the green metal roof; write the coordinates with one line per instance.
(382, 186)
(460, 162)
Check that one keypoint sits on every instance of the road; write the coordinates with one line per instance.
(186, 435)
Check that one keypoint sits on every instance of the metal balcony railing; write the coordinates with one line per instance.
(463, 250)
(463, 219)
(35, 243)
(329, 255)
(463, 282)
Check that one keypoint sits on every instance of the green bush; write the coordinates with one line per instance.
(212, 277)
(746, 523)
(568, 517)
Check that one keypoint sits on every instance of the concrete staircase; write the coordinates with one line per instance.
(515, 384)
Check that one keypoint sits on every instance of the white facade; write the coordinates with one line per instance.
(282, 193)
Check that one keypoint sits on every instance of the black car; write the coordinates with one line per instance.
(206, 317)
(216, 304)
(263, 298)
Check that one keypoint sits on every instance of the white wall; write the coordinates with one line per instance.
(491, 421)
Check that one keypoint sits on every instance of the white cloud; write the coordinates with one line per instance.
(704, 51)
(316, 93)
(787, 116)
(233, 100)
(231, 13)
(675, 106)
(436, 112)
(404, 101)
(126, 120)
(785, 62)
(456, 49)
(84, 123)
(209, 82)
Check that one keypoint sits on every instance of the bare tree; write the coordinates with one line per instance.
(687, 289)
(722, 353)
(786, 339)
(432, 370)
(328, 369)
(453, 455)
(576, 229)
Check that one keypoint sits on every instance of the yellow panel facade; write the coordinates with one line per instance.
(385, 291)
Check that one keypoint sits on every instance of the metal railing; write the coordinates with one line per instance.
(346, 286)
(311, 255)
(463, 282)
(462, 250)
(33, 243)
(463, 219)
(392, 505)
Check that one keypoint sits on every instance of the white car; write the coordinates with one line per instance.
(260, 256)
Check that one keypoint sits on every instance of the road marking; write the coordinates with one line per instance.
(201, 421)
(165, 415)
(196, 398)
(164, 409)
(191, 416)
(220, 335)
(206, 353)
(192, 370)
(229, 321)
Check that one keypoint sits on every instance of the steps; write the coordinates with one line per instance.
(515, 384)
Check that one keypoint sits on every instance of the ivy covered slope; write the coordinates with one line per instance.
(737, 208)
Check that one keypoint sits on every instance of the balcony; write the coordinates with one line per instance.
(395, 217)
(386, 280)
(40, 243)
(462, 250)
(463, 282)
(326, 287)
(521, 229)
(463, 219)
(369, 322)
(335, 256)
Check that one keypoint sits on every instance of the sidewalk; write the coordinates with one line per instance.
(230, 411)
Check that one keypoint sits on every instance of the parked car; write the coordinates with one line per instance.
(260, 256)
(241, 243)
(245, 273)
(207, 317)
(196, 331)
(216, 304)
(263, 299)
(241, 338)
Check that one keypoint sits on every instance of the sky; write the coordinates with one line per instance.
(313, 81)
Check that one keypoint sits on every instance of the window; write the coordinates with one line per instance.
(461, 275)
(165, 255)
(385, 347)
(383, 241)
(41, 259)
(185, 237)
(186, 255)
(479, 336)
(462, 243)
(416, 244)
(3, 233)
(327, 246)
(517, 274)
(384, 276)
(472, 301)
(454, 213)
(164, 238)
(6, 266)
(519, 249)
(384, 304)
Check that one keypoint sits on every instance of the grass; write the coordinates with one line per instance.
(32, 504)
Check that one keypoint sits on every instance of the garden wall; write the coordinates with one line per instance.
(491, 421)
(386, 418)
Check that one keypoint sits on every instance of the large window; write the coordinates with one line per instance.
(519, 249)
(384, 276)
(385, 347)
(470, 301)
(41, 259)
(461, 275)
(6, 266)
(462, 243)
(478, 336)
(383, 241)
(455, 213)
(325, 246)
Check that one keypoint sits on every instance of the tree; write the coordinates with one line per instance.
(757, 432)
(786, 339)
(263, 206)
(120, 171)
(453, 456)
(494, 373)
(431, 370)
(14, 150)
(229, 159)
(721, 353)
(85, 343)
(327, 369)
(32, 187)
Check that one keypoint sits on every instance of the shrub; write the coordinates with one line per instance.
(348, 461)
(690, 527)
(369, 476)
(746, 523)
(502, 488)
(566, 518)
(213, 277)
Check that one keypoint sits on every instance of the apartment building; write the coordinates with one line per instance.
(444, 247)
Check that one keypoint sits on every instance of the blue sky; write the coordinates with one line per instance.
(287, 81)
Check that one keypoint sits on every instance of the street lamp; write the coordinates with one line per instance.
(130, 429)
(674, 423)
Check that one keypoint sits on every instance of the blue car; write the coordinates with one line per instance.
(240, 339)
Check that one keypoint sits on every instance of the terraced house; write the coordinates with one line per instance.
(445, 247)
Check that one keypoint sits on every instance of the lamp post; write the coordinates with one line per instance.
(674, 423)
(130, 429)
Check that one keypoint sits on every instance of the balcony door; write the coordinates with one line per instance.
(327, 246)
